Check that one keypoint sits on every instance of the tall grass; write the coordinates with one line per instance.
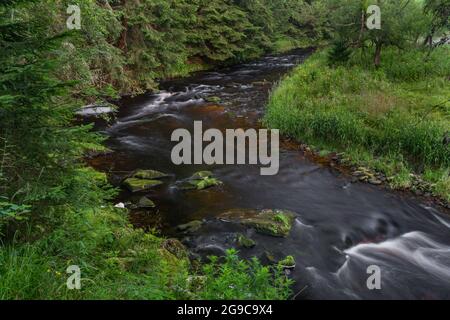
(389, 113)
(120, 262)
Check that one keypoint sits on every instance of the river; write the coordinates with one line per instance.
(342, 227)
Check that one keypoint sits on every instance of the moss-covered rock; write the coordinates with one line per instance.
(287, 263)
(200, 180)
(137, 185)
(213, 99)
(145, 203)
(176, 248)
(245, 242)
(149, 174)
(276, 223)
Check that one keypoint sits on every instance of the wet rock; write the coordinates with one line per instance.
(190, 227)
(201, 175)
(213, 99)
(287, 263)
(245, 242)
(137, 185)
(145, 203)
(375, 181)
(149, 174)
(94, 110)
(176, 248)
(200, 180)
(277, 223)
(120, 205)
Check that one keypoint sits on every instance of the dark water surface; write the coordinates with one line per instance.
(341, 228)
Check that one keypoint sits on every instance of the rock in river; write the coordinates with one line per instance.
(149, 174)
(137, 185)
(277, 223)
(200, 180)
(190, 227)
(145, 203)
(245, 242)
(287, 263)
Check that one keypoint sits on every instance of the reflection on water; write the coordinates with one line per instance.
(342, 227)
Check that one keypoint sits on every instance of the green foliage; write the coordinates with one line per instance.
(238, 279)
(120, 262)
(116, 261)
(403, 22)
(397, 113)
(339, 53)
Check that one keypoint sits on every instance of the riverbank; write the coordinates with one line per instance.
(390, 124)
(117, 261)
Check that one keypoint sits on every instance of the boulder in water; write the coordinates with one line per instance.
(149, 174)
(287, 263)
(137, 185)
(200, 180)
(190, 227)
(245, 242)
(145, 203)
(277, 223)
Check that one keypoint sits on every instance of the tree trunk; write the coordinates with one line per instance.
(377, 59)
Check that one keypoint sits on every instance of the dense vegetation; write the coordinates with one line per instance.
(380, 96)
(53, 209)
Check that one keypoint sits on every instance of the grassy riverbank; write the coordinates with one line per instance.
(393, 119)
(118, 261)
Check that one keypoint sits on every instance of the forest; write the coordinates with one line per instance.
(374, 102)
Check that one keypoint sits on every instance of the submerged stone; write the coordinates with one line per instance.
(245, 242)
(137, 185)
(201, 175)
(190, 226)
(149, 174)
(200, 180)
(213, 99)
(145, 202)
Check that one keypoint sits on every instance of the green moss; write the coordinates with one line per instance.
(137, 185)
(201, 180)
(245, 242)
(276, 223)
(149, 174)
(145, 202)
(288, 262)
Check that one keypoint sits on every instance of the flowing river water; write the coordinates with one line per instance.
(342, 227)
